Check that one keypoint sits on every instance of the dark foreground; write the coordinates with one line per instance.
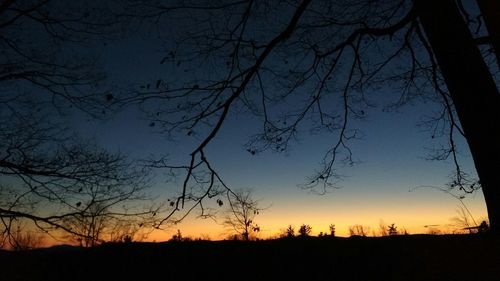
(388, 258)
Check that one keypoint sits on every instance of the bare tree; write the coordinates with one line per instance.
(434, 230)
(240, 217)
(101, 224)
(20, 238)
(43, 56)
(321, 58)
(359, 230)
(128, 231)
(383, 228)
(71, 187)
(463, 220)
(50, 177)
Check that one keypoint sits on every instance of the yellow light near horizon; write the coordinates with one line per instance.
(411, 213)
(272, 225)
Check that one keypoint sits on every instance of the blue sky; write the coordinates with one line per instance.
(391, 161)
(391, 158)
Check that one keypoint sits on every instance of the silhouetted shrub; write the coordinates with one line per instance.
(127, 239)
(305, 230)
(177, 237)
(332, 229)
(392, 230)
(288, 232)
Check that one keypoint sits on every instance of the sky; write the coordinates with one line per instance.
(392, 182)
(376, 189)
(391, 162)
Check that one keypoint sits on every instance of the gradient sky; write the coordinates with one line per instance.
(391, 161)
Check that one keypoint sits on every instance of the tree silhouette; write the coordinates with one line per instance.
(49, 176)
(331, 227)
(392, 230)
(318, 53)
(359, 230)
(177, 237)
(305, 230)
(127, 231)
(77, 189)
(102, 222)
(21, 239)
(241, 213)
(289, 232)
(383, 228)
(41, 54)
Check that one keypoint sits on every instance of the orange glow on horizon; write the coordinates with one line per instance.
(411, 213)
(272, 227)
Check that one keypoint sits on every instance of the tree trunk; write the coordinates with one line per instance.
(490, 10)
(473, 90)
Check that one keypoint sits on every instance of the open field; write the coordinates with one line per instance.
(415, 257)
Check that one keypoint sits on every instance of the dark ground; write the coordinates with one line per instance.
(415, 257)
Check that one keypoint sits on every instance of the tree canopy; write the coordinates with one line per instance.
(52, 179)
(297, 66)
(313, 64)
